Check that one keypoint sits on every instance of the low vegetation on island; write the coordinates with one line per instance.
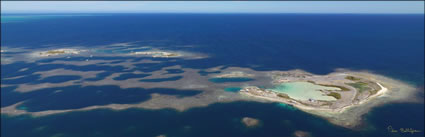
(58, 52)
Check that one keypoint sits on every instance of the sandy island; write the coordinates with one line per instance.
(354, 92)
(58, 52)
(158, 54)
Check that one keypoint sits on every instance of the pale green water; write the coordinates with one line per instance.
(6, 19)
(232, 89)
(304, 91)
(283, 105)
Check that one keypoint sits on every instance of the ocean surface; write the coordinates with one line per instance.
(390, 45)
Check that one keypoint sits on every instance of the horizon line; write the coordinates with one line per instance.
(202, 13)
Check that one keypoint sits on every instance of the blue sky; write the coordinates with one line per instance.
(212, 7)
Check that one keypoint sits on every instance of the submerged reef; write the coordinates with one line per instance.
(158, 54)
(250, 122)
(341, 97)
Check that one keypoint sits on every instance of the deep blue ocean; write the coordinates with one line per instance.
(387, 44)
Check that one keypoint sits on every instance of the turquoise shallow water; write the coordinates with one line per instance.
(232, 89)
(304, 91)
(286, 106)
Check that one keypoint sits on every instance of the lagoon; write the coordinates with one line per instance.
(304, 91)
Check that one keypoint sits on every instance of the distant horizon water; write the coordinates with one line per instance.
(214, 6)
(35, 13)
